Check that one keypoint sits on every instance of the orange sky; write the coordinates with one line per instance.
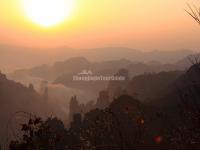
(140, 24)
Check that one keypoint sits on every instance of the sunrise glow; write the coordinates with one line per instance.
(48, 12)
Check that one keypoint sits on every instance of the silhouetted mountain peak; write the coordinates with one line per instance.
(77, 59)
(194, 68)
(191, 76)
(2, 76)
(72, 61)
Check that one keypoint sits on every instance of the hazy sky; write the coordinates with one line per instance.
(140, 24)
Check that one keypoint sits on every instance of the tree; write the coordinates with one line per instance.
(187, 135)
(194, 12)
(118, 127)
(41, 135)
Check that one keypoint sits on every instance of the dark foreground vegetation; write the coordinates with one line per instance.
(126, 124)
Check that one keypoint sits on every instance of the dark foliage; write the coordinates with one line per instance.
(126, 124)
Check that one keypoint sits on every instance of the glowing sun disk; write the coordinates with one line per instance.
(48, 12)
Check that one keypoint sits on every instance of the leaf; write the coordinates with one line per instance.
(25, 127)
(30, 122)
(37, 121)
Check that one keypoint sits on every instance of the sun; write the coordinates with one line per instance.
(48, 13)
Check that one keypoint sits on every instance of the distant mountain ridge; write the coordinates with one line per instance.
(15, 57)
(62, 72)
(162, 89)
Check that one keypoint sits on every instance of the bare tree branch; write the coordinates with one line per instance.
(194, 12)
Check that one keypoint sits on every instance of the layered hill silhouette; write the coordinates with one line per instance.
(163, 88)
(29, 57)
(62, 72)
(147, 99)
(15, 97)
